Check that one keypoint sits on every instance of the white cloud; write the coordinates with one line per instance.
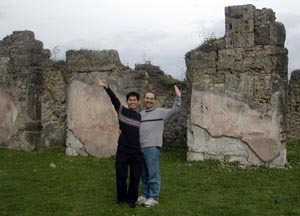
(162, 31)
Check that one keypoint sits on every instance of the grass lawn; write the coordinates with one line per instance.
(86, 186)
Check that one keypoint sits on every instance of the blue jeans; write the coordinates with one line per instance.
(151, 180)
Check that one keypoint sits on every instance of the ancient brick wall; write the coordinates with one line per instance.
(233, 105)
(294, 106)
(45, 103)
(21, 58)
(53, 101)
(79, 114)
(92, 126)
(238, 91)
(163, 87)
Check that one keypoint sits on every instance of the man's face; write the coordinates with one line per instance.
(132, 102)
(149, 100)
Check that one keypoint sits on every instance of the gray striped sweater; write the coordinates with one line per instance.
(152, 124)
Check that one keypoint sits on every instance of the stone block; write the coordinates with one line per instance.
(262, 35)
(223, 115)
(277, 34)
(88, 60)
(8, 117)
(92, 119)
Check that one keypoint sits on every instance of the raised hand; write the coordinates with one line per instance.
(177, 91)
(102, 82)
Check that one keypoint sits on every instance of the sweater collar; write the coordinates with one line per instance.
(150, 110)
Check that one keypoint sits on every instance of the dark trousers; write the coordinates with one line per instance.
(133, 160)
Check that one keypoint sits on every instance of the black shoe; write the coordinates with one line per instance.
(131, 204)
(121, 202)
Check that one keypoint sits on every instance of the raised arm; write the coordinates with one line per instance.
(115, 101)
(177, 91)
(102, 82)
(167, 113)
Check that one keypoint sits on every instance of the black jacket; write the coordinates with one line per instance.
(129, 124)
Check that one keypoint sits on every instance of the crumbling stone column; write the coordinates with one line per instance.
(20, 89)
(54, 104)
(294, 106)
(238, 91)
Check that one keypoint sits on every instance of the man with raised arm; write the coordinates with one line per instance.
(128, 151)
(151, 140)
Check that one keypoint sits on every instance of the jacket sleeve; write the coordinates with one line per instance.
(114, 100)
(167, 113)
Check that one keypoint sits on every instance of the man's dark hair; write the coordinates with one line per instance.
(151, 93)
(133, 94)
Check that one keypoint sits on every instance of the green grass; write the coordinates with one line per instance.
(86, 186)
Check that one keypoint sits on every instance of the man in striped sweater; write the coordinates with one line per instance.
(129, 150)
(151, 140)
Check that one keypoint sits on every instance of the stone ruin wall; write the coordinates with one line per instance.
(53, 101)
(294, 106)
(45, 103)
(163, 87)
(91, 125)
(237, 84)
(21, 65)
(238, 91)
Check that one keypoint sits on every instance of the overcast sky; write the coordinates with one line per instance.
(160, 31)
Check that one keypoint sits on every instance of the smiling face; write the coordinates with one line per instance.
(149, 100)
(132, 102)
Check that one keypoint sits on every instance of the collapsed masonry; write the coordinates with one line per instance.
(21, 66)
(237, 84)
(294, 106)
(92, 126)
(238, 91)
(45, 103)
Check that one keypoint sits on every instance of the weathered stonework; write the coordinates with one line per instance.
(92, 125)
(163, 87)
(21, 58)
(92, 120)
(63, 83)
(8, 117)
(238, 91)
(53, 105)
(45, 103)
(294, 106)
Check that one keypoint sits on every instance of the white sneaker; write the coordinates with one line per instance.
(150, 202)
(141, 200)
